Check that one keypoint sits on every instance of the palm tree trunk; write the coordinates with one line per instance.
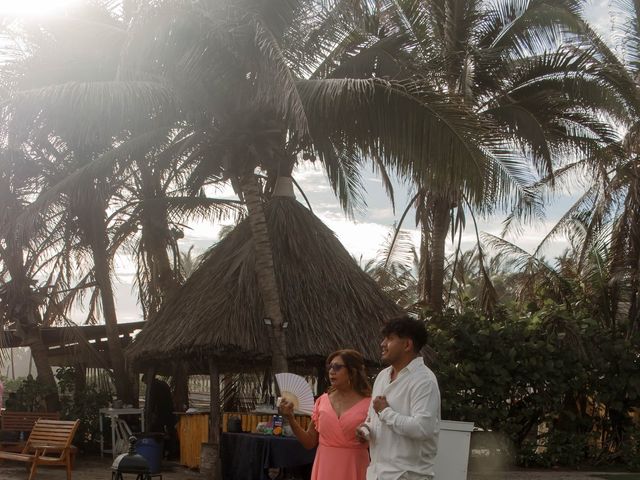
(633, 256)
(161, 277)
(424, 270)
(265, 272)
(29, 321)
(441, 218)
(40, 356)
(102, 269)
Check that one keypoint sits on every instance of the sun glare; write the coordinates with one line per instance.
(33, 7)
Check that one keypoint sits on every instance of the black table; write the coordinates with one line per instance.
(248, 456)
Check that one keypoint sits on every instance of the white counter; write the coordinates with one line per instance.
(452, 459)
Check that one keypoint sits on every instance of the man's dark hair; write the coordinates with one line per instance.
(407, 327)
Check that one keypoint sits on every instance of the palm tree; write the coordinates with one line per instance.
(240, 73)
(101, 158)
(64, 140)
(501, 63)
(154, 204)
(24, 292)
(394, 269)
(605, 214)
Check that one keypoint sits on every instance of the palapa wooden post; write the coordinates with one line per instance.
(210, 454)
(322, 379)
(79, 380)
(214, 420)
(149, 376)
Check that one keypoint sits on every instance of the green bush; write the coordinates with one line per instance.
(11, 385)
(511, 374)
(630, 449)
(29, 396)
(84, 405)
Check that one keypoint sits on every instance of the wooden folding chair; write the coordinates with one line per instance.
(49, 444)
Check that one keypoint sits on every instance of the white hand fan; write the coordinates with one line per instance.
(296, 390)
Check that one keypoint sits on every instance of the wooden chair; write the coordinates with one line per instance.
(49, 444)
(17, 423)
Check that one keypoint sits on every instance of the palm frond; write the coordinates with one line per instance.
(274, 71)
(343, 167)
(522, 260)
(100, 168)
(89, 113)
(399, 122)
(190, 208)
(524, 26)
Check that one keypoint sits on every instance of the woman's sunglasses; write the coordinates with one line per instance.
(336, 367)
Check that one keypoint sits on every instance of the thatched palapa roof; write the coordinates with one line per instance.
(327, 300)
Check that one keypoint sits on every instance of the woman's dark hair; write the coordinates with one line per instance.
(407, 327)
(357, 372)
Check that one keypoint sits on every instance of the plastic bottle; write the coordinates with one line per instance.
(277, 425)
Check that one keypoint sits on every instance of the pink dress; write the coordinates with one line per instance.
(339, 454)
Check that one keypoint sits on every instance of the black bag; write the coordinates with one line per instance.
(234, 424)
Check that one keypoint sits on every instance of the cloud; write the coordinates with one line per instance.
(597, 13)
(363, 238)
(381, 215)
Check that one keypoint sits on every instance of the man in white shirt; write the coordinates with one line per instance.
(404, 416)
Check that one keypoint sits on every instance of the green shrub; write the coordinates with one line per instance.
(511, 374)
(29, 396)
(84, 405)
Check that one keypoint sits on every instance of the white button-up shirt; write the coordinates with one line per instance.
(404, 436)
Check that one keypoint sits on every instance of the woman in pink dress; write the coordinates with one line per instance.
(336, 415)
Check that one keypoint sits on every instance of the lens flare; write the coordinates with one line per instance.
(22, 8)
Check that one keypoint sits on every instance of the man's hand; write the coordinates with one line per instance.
(380, 403)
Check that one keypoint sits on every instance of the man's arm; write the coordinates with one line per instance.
(423, 419)
(367, 424)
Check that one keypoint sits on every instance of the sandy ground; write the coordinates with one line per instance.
(537, 475)
(90, 469)
(100, 469)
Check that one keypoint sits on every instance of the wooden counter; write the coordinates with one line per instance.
(193, 430)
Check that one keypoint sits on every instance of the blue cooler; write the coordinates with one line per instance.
(151, 449)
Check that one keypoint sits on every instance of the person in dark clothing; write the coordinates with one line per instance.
(161, 416)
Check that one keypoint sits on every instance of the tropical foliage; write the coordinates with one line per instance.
(120, 121)
(552, 370)
(557, 386)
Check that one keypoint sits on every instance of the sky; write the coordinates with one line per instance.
(33, 7)
(362, 236)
